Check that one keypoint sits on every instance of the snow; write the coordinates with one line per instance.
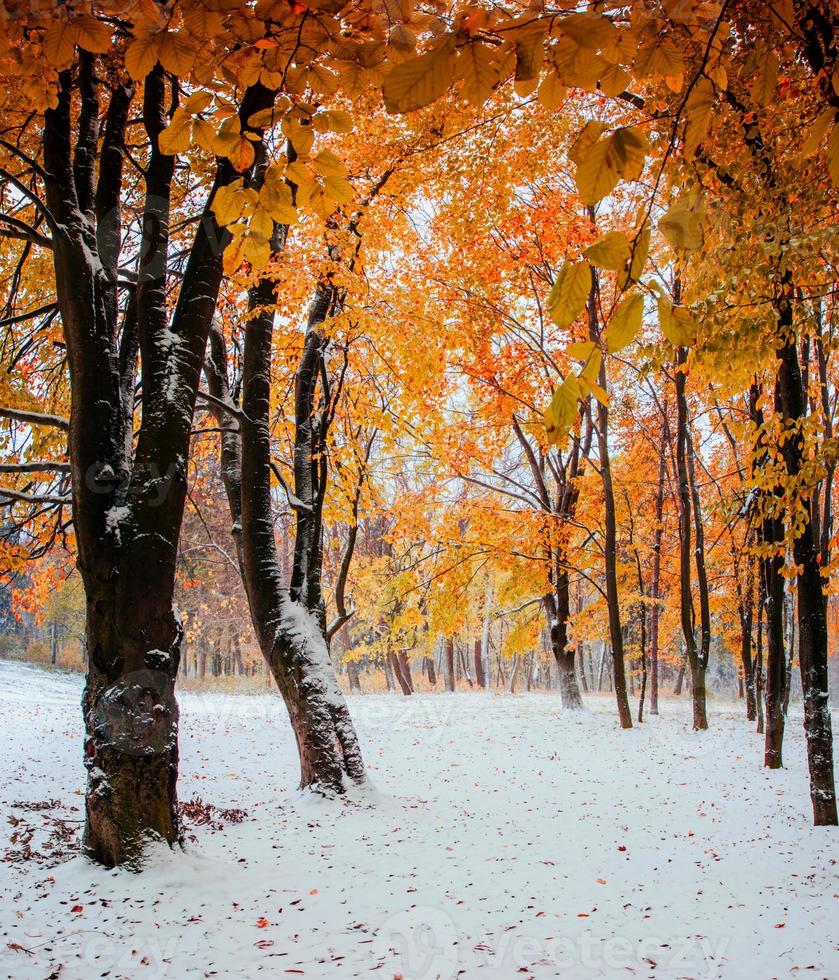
(503, 838)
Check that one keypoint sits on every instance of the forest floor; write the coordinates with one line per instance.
(504, 838)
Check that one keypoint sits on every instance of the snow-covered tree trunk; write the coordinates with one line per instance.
(128, 493)
(290, 619)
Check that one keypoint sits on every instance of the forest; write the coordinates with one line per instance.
(464, 376)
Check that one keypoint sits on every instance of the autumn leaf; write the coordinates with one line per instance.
(418, 81)
(624, 323)
(569, 293)
(609, 252)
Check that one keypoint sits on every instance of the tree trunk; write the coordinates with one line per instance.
(655, 611)
(128, 495)
(514, 674)
(812, 604)
(480, 677)
(449, 664)
(611, 542)
(695, 660)
(398, 673)
(290, 620)
(558, 609)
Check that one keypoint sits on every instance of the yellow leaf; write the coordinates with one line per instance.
(569, 293)
(242, 155)
(677, 325)
(609, 252)
(197, 102)
(328, 165)
(204, 134)
(591, 387)
(338, 189)
(601, 164)
(562, 411)
(176, 137)
(530, 52)
(817, 131)
(261, 225)
(589, 30)
(833, 155)
(301, 137)
(762, 89)
(332, 121)
(275, 197)
(682, 224)
(421, 80)
(552, 92)
(666, 59)
(228, 136)
(478, 67)
(698, 111)
(141, 55)
(59, 43)
(176, 52)
(625, 323)
(229, 202)
(202, 22)
(234, 255)
(613, 81)
(581, 350)
(299, 174)
(92, 34)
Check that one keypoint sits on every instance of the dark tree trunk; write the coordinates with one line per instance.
(759, 686)
(696, 658)
(430, 671)
(290, 620)
(611, 542)
(746, 609)
(449, 664)
(398, 672)
(655, 611)
(771, 536)
(812, 605)
(127, 502)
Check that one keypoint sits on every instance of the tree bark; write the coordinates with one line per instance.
(557, 605)
(449, 664)
(128, 502)
(696, 658)
(611, 542)
(290, 620)
(480, 678)
(655, 612)
(812, 605)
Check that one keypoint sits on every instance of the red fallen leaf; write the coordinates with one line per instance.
(295, 971)
(77, 908)
(261, 923)
(297, 8)
(314, 891)
(621, 847)
(601, 881)
(780, 925)
(582, 915)
(264, 943)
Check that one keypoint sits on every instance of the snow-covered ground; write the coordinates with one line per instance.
(504, 839)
